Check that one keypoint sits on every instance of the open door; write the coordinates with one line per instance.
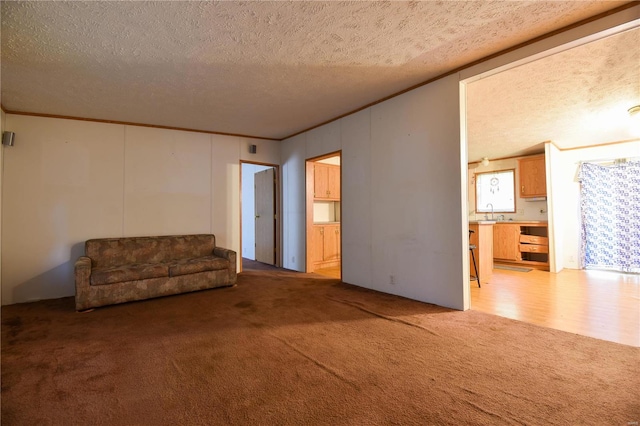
(265, 216)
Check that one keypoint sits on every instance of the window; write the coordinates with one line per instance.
(495, 191)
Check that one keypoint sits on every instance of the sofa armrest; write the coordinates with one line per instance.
(82, 270)
(231, 256)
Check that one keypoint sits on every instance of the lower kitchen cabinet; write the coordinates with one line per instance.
(506, 238)
(522, 243)
(326, 245)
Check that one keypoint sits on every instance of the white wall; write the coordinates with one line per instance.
(66, 181)
(555, 200)
(249, 208)
(567, 188)
(525, 210)
(167, 182)
(293, 204)
(400, 164)
(356, 199)
(415, 181)
(63, 183)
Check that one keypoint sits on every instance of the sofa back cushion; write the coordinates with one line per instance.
(110, 252)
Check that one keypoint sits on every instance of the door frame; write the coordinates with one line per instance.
(309, 189)
(278, 251)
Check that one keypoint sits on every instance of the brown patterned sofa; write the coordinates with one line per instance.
(118, 270)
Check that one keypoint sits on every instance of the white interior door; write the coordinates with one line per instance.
(265, 212)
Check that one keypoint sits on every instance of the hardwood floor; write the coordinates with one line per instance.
(332, 272)
(600, 304)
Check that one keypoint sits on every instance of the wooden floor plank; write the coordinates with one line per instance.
(600, 304)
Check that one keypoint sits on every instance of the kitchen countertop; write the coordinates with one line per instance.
(519, 222)
(525, 222)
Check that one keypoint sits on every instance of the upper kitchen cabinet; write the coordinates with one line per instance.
(533, 177)
(326, 179)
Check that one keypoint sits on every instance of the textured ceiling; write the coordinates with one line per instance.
(266, 69)
(578, 97)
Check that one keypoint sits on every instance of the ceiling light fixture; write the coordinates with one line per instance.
(634, 114)
(485, 161)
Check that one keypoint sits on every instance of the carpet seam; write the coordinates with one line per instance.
(388, 318)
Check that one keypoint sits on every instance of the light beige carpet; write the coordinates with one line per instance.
(282, 348)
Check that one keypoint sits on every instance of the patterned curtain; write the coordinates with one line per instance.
(610, 210)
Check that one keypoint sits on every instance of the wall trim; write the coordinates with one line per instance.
(561, 149)
(128, 123)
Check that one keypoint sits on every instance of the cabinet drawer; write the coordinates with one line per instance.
(534, 239)
(533, 248)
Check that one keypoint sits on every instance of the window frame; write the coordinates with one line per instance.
(477, 187)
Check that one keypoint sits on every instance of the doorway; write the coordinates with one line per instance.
(324, 208)
(570, 299)
(260, 224)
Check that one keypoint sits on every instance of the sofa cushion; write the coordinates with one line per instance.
(200, 264)
(118, 274)
(113, 252)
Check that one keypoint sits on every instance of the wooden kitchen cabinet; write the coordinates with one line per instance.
(326, 181)
(533, 176)
(326, 245)
(317, 244)
(331, 243)
(506, 241)
(523, 243)
(334, 182)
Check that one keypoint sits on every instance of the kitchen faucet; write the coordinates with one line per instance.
(489, 204)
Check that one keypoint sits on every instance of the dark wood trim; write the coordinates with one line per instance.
(597, 145)
(479, 61)
(309, 187)
(329, 155)
(512, 157)
(559, 149)
(128, 123)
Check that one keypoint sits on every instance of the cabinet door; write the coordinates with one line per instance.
(331, 242)
(320, 180)
(317, 244)
(533, 177)
(506, 242)
(334, 182)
